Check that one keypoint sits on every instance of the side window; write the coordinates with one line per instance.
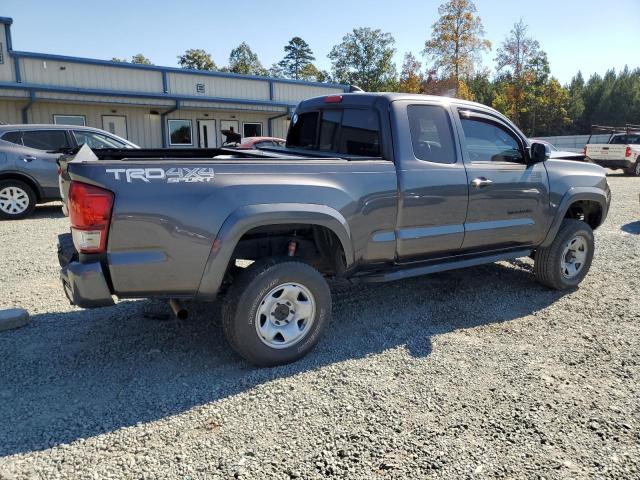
(431, 134)
(302, 133)
(45, 139)
(13, 137)
(96, 140)
(360, 133)
(488, 142)
(329, 128)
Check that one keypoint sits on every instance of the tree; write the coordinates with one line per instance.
(197, 59)
(522, 63)
(311, 74)
(276, 71)
(456, 40)
(298, 57)
(245, 61)
(364, 58)
(410, 77)
(138, 58)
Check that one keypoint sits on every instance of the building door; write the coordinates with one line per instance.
(116, 124)
(207, 134)
(229, 125)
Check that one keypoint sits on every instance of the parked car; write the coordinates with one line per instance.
(261, 142)
(371, 188)
(28, 156)
(560, 154)
(622, 151)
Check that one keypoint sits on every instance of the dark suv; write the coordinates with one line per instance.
(28, 155)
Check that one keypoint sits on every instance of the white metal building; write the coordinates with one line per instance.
(149, 105)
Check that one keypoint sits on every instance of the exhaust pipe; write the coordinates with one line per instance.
(178, 310)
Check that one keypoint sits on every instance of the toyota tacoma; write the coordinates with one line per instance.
(369, 188)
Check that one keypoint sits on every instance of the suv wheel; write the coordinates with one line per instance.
(565, 263)
(276, 311)
(17, 199)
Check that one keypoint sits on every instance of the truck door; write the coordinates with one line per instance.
(432, 183)
(508, 199)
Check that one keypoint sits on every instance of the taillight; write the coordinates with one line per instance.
(584, 151)
(90, 213)
(627, 152)
(333, 99)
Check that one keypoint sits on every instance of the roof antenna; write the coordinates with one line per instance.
(355, 89)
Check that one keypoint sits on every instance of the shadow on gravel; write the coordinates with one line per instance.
(47, 211)
(78, 374)
(633, 227)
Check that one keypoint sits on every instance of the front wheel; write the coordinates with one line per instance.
(564, 264)
(276, 311)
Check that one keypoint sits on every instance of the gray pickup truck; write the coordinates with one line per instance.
(370, 187)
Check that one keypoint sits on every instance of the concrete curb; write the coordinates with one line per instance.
(13, 318)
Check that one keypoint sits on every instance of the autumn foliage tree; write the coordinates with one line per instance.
(410, 77)
(456, 42)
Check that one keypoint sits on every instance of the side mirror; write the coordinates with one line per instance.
(539, 152)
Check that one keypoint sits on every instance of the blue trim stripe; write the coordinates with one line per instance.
(109, 63)
(127, 94)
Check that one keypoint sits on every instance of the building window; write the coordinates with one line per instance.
(180, 132)
(251, 130)
(77, 120)
(199, 87)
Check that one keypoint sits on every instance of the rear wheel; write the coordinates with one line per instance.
(17, 199)
(565, 263)
(634, 170)
(276, 311)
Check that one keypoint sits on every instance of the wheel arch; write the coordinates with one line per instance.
(23, 177)
(250, 217)
(593, 203)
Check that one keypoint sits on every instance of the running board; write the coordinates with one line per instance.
(407, 272)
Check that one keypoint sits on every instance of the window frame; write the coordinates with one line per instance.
(497, 122)
(452, 128)
(56, 115)
(252, 123)
(171, 144)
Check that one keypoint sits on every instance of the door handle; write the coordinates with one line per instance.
(481, 182)
(28, 158)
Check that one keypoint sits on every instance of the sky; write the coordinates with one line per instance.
(587, 35)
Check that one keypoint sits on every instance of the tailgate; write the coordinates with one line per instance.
(606, 152)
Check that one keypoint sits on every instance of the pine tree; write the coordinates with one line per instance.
(298, 57)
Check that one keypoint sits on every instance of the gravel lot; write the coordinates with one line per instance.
(469, 374)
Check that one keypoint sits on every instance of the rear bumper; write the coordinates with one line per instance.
(613, 163)
(84, 283)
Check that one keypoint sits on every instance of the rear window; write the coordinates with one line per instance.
(626, 140)
(302, 133)
(348, 131)
(13, 137)
(45, 139)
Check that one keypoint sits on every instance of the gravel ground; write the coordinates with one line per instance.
(476, 373)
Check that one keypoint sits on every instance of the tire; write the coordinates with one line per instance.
(17, 200)
(254, 310)
(634, 170)
(555, 267)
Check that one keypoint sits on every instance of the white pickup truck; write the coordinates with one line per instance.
(622, 151)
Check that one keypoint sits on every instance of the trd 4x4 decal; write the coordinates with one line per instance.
(169, 175)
